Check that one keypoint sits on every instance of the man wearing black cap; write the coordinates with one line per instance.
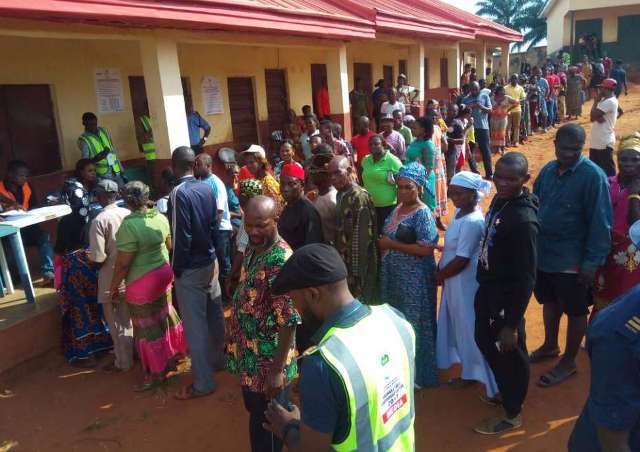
(356, 386)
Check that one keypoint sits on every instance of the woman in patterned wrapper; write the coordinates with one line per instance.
(621, 270)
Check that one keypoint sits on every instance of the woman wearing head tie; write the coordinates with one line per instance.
(621, 270)
(457, 273)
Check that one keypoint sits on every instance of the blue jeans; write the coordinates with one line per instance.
(35, 236)
(552, 110)
(223, 252)
(199, 298)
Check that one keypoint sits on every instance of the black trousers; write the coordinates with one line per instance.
(511, 369)
(482, 139)
(604, 159)
(450, 159)
(261, 440)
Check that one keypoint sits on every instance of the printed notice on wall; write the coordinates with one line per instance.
(211, 96)
(109, 90)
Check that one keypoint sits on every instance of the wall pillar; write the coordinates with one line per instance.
(415, 69)
(454, 56)
(338, 83)
(161, 69)
(481, 61)
(504, 61)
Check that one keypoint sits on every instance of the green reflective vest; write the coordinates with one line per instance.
(96, 145)
(377, 371)
(149, 148)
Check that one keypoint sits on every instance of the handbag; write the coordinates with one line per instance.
(406, 234)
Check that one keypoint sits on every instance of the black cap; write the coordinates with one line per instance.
(310, 266)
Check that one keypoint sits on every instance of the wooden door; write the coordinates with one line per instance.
(242, 108)
(426, 74)
(444, 72)
(28, 129)
(318, 77)
(402, 66)
(277, 98)
(363, 72)
(387, 74)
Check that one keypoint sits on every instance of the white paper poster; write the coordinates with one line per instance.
(211, 96)
(109, 90)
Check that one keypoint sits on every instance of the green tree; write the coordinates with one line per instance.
(519, 15)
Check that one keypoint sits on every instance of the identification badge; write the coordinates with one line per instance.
(111, 159)
(392, 393)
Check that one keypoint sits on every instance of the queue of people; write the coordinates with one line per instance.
(318, 248)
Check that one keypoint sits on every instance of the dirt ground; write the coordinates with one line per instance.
(62, 408)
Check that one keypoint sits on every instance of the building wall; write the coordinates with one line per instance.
(378, 54)
(559, 19)
(67, 66)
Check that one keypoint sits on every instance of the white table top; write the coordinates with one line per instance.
(21, 219)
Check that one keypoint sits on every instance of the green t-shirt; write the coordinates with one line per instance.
(375, 176)
(406, 133)
(145, 235)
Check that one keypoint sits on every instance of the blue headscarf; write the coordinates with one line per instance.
(415, 172)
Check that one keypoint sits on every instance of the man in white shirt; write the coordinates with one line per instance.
(203, 172)
(103, 250)
(604, 112)
(392, 104)
(406, 94)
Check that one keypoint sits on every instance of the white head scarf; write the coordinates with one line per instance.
(474, 181)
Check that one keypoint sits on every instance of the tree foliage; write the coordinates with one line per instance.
(520, 15)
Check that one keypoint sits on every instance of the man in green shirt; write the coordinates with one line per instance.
(398, 126)
(378, 176)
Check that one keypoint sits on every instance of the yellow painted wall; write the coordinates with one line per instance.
(223, 61)
(67, 65)
(378, 54)
(559, 18)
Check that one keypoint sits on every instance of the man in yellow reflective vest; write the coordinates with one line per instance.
(96, 145)
(144, 133)
(356, 386)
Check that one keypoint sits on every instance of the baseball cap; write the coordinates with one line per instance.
(312, 265)
(106, 186)
(608, 83)
(256, 149)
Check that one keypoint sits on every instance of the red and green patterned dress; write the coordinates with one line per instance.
(621, 270)
(256, 316)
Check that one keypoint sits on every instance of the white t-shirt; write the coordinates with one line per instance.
(603, 134)
(388, 109)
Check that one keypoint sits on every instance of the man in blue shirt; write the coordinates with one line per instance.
(480, 105)
(195, 122)
(575, 237)
(194, 229)
(620, 76)
(610, 419)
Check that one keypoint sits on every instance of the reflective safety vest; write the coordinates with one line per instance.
(149, 148)
(378, 372)
(26, 194)
(97, 144)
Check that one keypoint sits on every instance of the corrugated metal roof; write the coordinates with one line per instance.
(335, 19)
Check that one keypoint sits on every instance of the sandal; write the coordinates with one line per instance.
(555, 376)
(542, 355)
(190, 392)
(497, 425)
(146, 386)
(494, 401)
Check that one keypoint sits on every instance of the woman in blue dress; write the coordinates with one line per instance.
(408, 268)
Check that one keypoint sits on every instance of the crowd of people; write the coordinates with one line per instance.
(328, 256)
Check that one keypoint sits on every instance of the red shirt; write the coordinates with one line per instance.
(361, 145)
(245, 174)
(554, 83)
